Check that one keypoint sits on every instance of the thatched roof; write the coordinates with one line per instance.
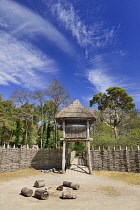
(75, 111)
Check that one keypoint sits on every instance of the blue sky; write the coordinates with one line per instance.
(87, 45)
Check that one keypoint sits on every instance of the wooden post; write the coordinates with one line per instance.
(89, 157)
(64, 149)
(87, 129)
(64, 129)
(63, 157)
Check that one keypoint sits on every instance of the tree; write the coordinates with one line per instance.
(7, 120)
(58, 94)
(59, 97)
(113, 105)
(39, 96)
(102, 134)
(25, 112)
(129, 129)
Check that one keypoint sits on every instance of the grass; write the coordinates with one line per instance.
(128, 177)
(9, 175)
(108, 190)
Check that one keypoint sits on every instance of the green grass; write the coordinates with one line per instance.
(128, 177)
(9, 175)
(108, 190)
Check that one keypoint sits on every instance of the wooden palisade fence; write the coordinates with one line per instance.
(12, 159)
(115, 159)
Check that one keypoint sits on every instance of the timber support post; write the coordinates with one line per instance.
(64, 150)
(89, 157)
(63, 157)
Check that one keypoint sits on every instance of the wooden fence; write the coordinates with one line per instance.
(115, 160)
(12, 159)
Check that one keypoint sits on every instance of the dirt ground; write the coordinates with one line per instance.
(95, 193)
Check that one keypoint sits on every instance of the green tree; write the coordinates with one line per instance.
(129, 130)
(113, 105)
(39, 96)
(7, 120)
(25, 110)
(102, 134)
(59, 97)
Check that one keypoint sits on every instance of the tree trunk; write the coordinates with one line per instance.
(68, 195)
(42, 117)
(26, 131)
(73, 185)
(26, 192)
(39, 183)
(60, 188)
(115, 124)
(41, 134)
(115, 132)
(41, 194)
(11, 135)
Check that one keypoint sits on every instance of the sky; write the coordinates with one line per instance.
(88, 45)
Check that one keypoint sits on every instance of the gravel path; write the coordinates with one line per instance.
(95, 193)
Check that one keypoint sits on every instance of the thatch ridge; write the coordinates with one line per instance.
(75, 111)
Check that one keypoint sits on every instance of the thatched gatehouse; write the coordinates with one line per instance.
(76, 121)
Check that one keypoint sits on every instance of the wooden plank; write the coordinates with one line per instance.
(75, 140)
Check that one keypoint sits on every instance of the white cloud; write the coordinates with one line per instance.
(92, 35)
(22, 22)
(119, 52)
(87, 98)
(20, 63)
(100, 79)
(100, 76)
(136, 96)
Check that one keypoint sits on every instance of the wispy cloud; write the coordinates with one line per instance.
(93, 35)
(22, 22)
(100, 79)
(136, 95)
(20, 63)
(100, 75)
(120, 52)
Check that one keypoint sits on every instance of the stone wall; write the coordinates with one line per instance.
(116, 160)
(12, 159)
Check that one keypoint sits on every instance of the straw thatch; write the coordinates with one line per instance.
(75, 111)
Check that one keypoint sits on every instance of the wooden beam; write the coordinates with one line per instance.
(75, 140)
(63, 157)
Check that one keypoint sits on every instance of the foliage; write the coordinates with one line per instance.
(129, 132)
(113, 106)
(59, 98)
(58, 94)
(28, 117)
